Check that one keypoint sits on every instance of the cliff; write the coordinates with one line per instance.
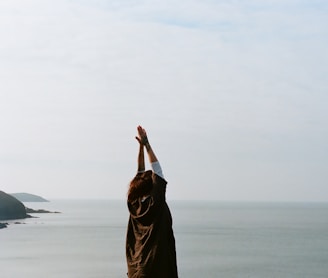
(11, 208)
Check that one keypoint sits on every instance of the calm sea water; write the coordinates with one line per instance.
(213, 239)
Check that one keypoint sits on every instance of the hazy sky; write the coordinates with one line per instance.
(233, 94)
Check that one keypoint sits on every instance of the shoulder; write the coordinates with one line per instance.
(159, 187)
(158, 180)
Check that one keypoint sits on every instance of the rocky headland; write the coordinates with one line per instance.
(29, 210)
(11, 208)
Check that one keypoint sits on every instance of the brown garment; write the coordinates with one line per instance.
(150, 243)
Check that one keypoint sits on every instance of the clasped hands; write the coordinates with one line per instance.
(142, 136)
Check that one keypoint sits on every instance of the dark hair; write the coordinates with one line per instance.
(140, 186)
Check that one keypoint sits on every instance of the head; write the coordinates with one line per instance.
(140, 186)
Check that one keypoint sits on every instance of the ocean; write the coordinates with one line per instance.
(213, 239)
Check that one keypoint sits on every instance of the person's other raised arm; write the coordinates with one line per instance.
(143, 139)
(141, 159)
(141, 156)
(151, 154)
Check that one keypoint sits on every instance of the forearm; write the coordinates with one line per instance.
(141, 159)
(151, 155)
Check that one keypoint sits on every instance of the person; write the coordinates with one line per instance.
(150, 242)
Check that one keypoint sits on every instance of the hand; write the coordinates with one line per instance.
(142, 136)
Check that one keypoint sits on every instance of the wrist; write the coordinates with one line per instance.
(144, 141)
(147, 145)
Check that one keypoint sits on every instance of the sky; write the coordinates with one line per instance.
(233, 95)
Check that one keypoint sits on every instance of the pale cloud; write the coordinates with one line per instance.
(233, 94)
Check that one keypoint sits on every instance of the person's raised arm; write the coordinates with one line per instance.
(143, 139)
(141, 156)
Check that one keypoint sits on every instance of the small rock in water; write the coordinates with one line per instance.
(3, 225)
